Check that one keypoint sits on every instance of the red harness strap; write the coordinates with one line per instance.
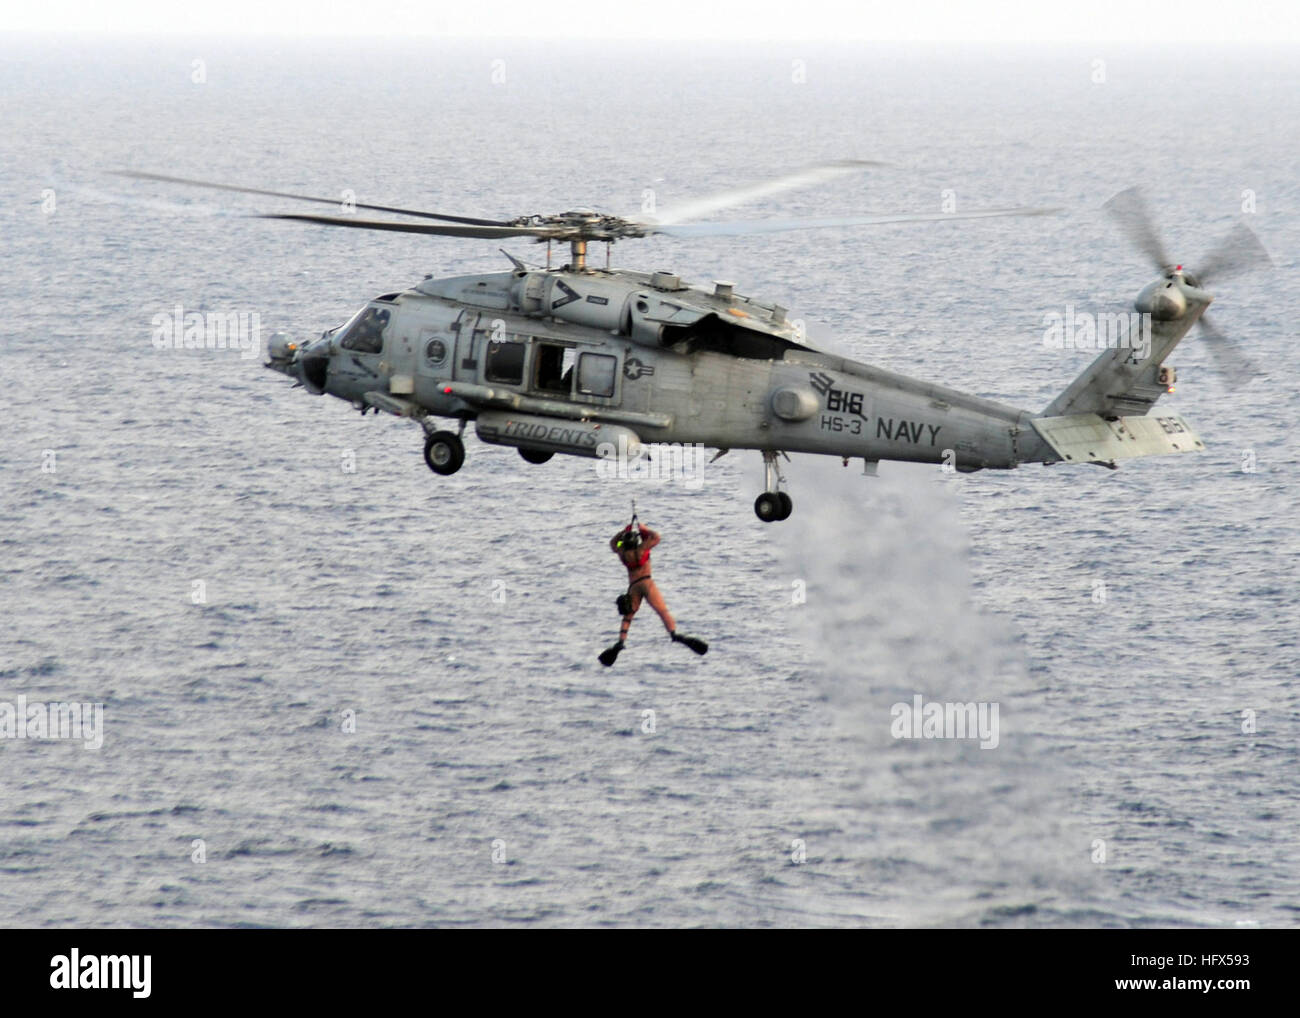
(645, 555)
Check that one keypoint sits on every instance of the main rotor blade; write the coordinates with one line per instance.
(139, 175)
(810, 175)
(1129, 210)
(1239, 252)
(429, 229)
(1236, 368)
(747, 227)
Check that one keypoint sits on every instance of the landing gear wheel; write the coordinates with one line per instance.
(444, 452)
(767, 507)
(773, 504)
(535, 455)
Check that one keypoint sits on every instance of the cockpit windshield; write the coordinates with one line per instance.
(345, 326)
(365, 332)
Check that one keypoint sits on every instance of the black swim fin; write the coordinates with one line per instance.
(610, 654)
(696, 644)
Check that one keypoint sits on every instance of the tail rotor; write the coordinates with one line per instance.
(1239, 253)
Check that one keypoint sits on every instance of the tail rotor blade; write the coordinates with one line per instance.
(1239, 252)
(1129, 211)
(1236, 368)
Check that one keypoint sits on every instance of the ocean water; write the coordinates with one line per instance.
(1137, 629)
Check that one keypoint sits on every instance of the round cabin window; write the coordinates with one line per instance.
(436, 351)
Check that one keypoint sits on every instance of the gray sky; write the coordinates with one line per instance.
(1137, 21)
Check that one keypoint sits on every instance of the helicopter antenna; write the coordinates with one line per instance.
(513, 260)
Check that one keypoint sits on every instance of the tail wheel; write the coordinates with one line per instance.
(535, 455)
(444, 452)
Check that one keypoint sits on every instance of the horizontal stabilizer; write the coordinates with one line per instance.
(1088, 438)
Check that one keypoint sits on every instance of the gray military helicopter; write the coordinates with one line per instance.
(583, 360)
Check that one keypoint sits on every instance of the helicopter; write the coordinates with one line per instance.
(588, 361)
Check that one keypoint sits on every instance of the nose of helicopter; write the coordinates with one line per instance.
(308, 363)
(281, 348)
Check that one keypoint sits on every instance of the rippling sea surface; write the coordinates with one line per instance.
(1138, 628)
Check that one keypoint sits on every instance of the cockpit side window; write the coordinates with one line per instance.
(505, 363)
(597, 374)
(366, 334)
